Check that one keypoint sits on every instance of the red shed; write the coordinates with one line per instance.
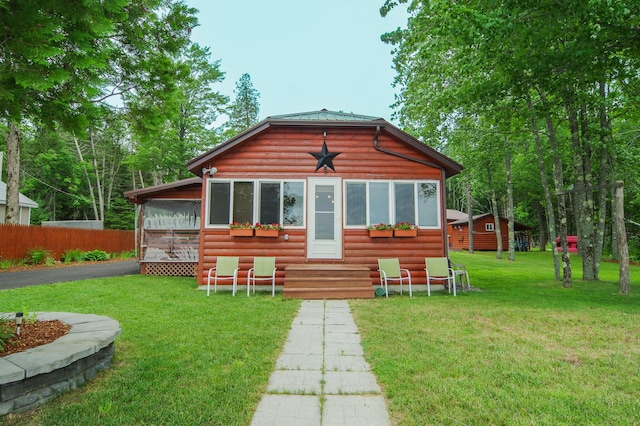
(484, 234)
(325, 177)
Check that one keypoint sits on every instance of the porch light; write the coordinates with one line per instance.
(19, 317)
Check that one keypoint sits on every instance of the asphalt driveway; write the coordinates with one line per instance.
(68, 273)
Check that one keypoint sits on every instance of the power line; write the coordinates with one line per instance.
(49, 186)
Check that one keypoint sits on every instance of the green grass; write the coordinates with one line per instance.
(182, 358)
(524, 351)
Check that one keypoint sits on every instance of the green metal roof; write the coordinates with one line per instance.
(323, 115)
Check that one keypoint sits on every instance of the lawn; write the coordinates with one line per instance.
(524, 351)
(521, 351)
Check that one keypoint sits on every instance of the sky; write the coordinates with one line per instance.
(303, 55)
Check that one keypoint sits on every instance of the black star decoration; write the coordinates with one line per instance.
(325, 158)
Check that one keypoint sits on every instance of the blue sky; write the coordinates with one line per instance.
(303, 56)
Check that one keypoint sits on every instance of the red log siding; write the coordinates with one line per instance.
(16, 240)
(482, 239)
(283, 153)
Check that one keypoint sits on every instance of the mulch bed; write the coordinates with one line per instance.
(33, 334)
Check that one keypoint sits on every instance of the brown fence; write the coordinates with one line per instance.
(17, 240)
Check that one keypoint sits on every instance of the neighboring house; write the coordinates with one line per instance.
(484, 234)
(25, 205)
(455, 215)
(325, 177)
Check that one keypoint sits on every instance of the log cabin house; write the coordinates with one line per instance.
(484, 233)
(325, 177)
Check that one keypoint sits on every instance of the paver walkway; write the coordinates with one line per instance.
(321, 377)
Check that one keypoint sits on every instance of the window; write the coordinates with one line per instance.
(355, 200)
(392, 202)
(489, 227)
(255, 201)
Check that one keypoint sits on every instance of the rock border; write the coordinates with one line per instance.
(29, 379)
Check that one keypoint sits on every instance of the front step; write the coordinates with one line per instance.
(327, 281)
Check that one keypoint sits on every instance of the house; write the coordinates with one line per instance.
(325, 177)
(455, 215)
(484, 234)
(25, 205)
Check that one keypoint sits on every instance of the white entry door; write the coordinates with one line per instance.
(324, 230)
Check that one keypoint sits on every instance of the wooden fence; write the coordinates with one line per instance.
(17, 240)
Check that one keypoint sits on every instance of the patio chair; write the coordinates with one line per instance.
(226, 269)
(264, 269)
(390, 270)
(459, 270)
(438, 269)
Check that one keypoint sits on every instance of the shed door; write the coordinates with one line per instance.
(324, 230)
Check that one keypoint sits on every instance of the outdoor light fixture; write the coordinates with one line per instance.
(19, 317)
(212, 171)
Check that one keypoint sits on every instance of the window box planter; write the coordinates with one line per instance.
(380, 233)
(405, 232)
(271, 233)
(241, 232)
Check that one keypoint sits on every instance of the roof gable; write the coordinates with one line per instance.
(329, 120)
(23, 200)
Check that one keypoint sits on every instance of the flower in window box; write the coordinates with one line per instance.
(240, 225)
(244, 229)
(380, 230)
(405, 225)
(380, 227)
(271, 226)
(405, 229)
(267, 229)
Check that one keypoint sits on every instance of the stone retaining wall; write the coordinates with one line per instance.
(31, 378)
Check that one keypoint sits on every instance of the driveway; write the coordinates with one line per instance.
(68, 273)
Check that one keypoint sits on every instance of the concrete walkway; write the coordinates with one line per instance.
(321, 377)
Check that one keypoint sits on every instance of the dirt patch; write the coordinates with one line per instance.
(33, 334)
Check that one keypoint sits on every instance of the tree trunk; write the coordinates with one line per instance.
(99, 186)
(542, 227)
(583, 198)
(624, 283)
(558, 181)
(12, 212)
(86, 175)
(512, 236)
(602, 213)
(496, 217)
(470, 213)
(605, 166)
(614, 214)
(551, 217)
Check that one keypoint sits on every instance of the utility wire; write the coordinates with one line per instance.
(49, 186)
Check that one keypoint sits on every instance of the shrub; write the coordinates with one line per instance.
(124, 254)
(72, 255)
(7, 263)
(7, 331)
(99, 255)
(38, 256)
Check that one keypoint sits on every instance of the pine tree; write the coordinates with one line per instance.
(244, 110)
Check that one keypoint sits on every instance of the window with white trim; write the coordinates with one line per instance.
(489, 227)
(252, 201)
(371, 202)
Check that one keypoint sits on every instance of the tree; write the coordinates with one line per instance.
(175, 125)
(59, 58)
(245, 109)
(457, 59)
